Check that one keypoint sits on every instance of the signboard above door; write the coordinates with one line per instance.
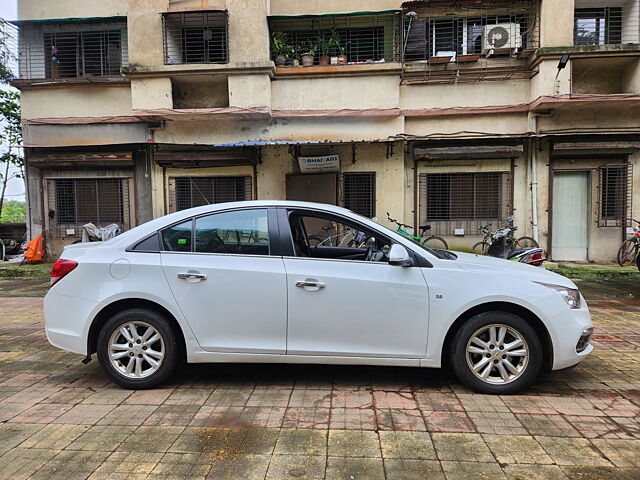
(323, 164)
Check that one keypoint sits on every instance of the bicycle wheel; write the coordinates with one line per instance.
(480, 248)
(627, 252)
(315, 240)
(435, 242)
(526, 242)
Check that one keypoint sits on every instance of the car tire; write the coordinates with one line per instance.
(508, 364)
(143, 337)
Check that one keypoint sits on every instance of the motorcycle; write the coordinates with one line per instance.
(501, 246)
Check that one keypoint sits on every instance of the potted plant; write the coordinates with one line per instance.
(307, 58)
(280, 48)
(342, 57)
(324, 47)
(333, 44)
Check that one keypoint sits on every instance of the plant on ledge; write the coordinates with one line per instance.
(310, 47)
(280, 48)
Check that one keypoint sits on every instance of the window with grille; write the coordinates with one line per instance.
(453, 35)
(362, 38)
(359, 190)
(598, 26)
(195, 37)
(463, 200)
(97, 201)
(615, 195)
(187, 192)
(78, 54)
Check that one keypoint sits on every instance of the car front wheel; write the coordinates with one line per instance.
(137, 348)
(496, 352)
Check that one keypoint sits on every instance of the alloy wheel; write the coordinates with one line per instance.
(497, 354)
(136, 349)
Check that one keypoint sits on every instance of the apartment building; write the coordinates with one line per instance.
(456, 113)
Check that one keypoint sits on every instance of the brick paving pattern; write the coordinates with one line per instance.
(62, 419)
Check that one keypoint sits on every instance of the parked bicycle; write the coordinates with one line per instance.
(349, 237)
(432, 241)
(628, 251)
(482, 247)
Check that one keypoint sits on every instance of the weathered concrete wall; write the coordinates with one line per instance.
(90, 101)
(144, 25)
(201, 91)
(336, 93)
(249, 90)
(556, 26)
(504, 123)
(309, 7)
(150, 93)
(44, 9)
(478, 94)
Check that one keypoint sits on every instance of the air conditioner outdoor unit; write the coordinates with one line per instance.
(501, 35)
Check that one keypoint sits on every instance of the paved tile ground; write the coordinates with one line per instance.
(62, 419)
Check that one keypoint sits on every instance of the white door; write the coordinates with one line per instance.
(346, 300)
(232, 293)
(570, 216)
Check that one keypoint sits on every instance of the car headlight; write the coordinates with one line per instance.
(570, 295)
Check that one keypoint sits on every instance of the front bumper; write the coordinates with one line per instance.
(569, 329)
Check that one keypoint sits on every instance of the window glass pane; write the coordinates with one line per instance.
(333, 238)
(177, 238)
(243, 232)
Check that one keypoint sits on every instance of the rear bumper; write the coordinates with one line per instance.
(569, 327)
(66, 321)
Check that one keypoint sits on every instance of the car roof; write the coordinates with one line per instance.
(141, 231)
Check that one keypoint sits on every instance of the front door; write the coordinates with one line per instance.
(345, 299)
(313, 187)
(229, 288)
(570, 216)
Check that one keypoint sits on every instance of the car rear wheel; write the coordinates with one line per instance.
(137, 348)
(496, 352)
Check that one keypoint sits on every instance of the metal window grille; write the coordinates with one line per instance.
(188, 192)
(362, 38)
(615, 195)
(476, 41)
(359, 193)
(101, 201)
(606, 25)
(463, 200)
(195, 37)
(55, 50)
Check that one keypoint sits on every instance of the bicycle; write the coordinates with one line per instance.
(628, 251)
(348, 238)
(432, 241)
(481, 248)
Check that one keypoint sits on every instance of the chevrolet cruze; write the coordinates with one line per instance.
(294, 282)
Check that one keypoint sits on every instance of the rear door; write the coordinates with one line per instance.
(230, 286)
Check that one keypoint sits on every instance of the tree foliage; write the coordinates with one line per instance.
(13, 211)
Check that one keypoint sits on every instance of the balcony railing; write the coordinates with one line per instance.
(608, 23)
(62, 50)
(476, 41)
(358, 38)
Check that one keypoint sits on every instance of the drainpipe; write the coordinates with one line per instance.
(534, 179)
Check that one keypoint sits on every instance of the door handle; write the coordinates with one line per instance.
(192, 276)
(309, 284)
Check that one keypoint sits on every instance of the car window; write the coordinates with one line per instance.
(177, 238)
(242, 232)
(319, 236)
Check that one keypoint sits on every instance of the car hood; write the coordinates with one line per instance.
(485, 264)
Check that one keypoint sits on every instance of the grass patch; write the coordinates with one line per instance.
(12, 270)
(592, 272)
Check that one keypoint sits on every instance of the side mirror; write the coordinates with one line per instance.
(399, 256)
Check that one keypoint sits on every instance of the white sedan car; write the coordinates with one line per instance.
(294, 282)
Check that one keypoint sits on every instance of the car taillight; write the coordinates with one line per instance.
(61, 269)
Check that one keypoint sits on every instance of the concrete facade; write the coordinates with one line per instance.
(252, 119)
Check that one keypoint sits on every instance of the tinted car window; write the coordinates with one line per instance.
(177, 238)
(242, 232)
